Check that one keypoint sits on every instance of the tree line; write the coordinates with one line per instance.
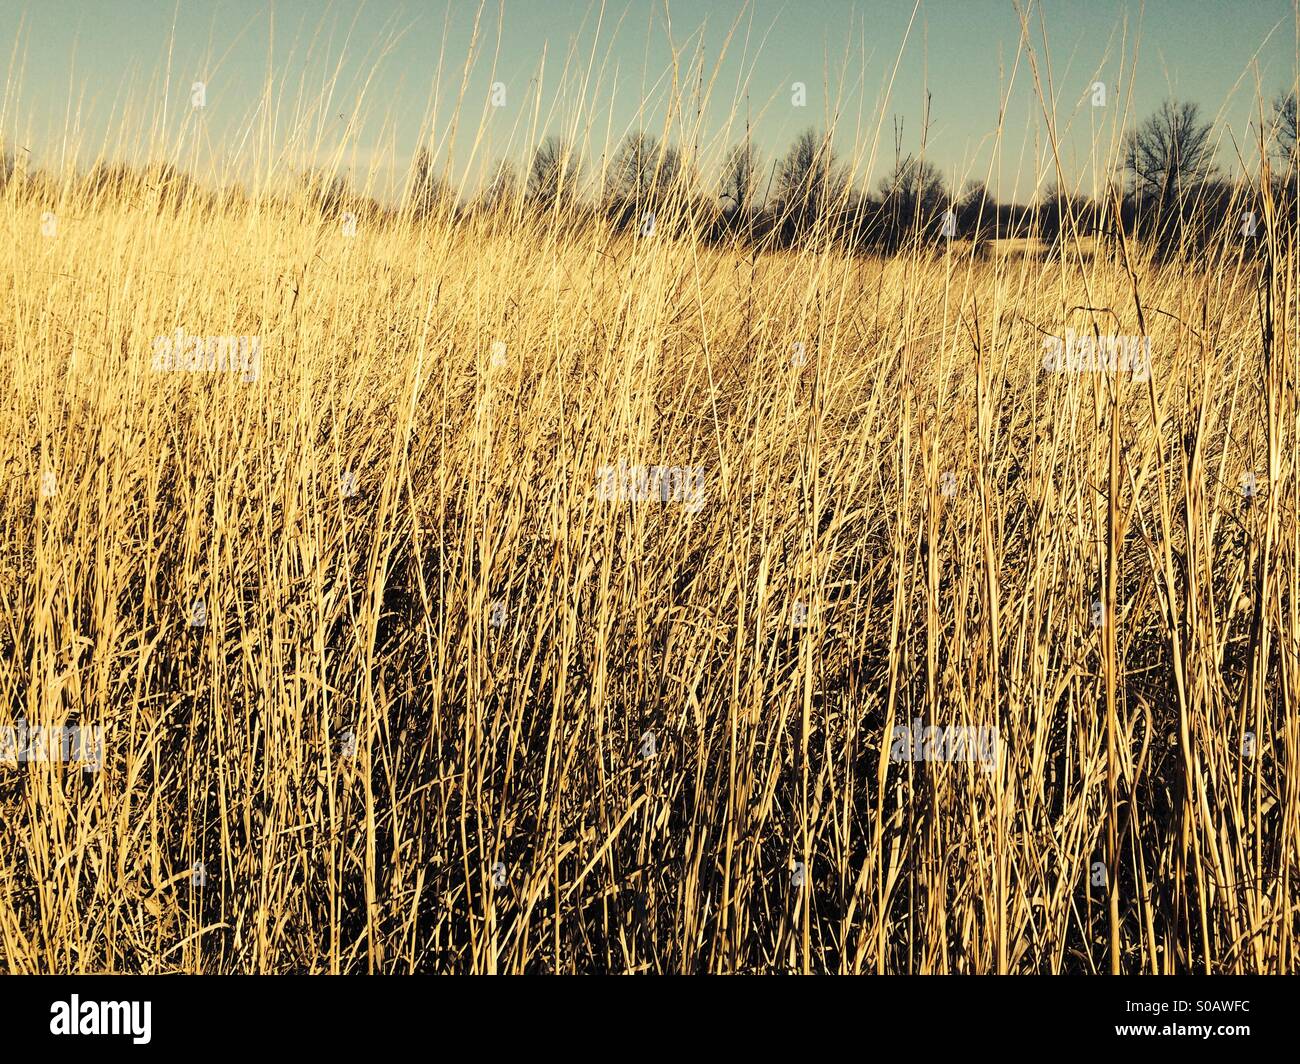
(1167, 190)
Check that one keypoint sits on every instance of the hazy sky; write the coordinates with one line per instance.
(302, 83)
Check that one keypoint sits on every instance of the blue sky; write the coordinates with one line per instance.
(361, 85)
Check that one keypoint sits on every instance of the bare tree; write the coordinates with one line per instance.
(915, 183)
(1284, 124)
(911, 196)
(1169, 156)
(739, 193)
(977, 213)
(326, 190)
(806, 181)
(643, 172)
(428, 191)
(503, 189)
(554, 174)
(1057, 206)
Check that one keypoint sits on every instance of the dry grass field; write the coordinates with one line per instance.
(387, 681)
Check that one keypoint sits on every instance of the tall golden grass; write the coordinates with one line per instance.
(376, 777)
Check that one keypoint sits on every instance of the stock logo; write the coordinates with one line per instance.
(676, 484)
(1085, 353)
(23, 744)
(77, 1017)
(180, 353)
(951, 743)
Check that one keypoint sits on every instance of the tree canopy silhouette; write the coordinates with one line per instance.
(911, 196)
(807, 181)
(428, 191)
(1284, 122)
(739, 195)
(1169, 155)
(554, 173)
(643, 173)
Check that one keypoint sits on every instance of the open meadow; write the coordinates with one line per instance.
(531, 587)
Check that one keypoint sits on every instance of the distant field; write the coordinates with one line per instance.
(1028, 247)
